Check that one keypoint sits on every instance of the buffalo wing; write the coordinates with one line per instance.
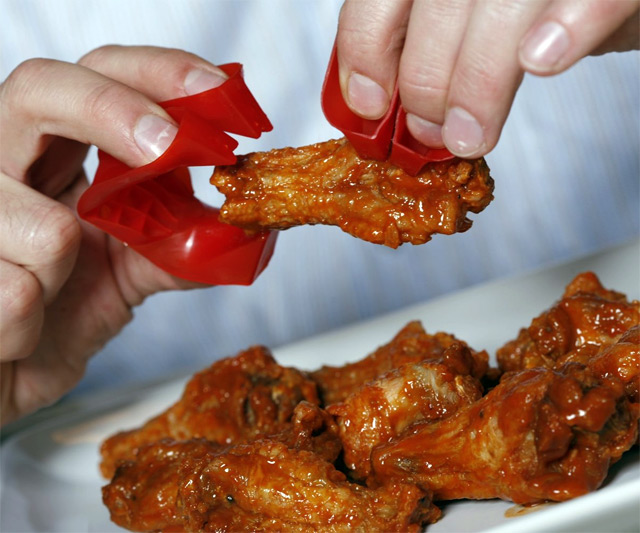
(539, 435)
(234, 400)
(260, 486)
(328, 183)
(411, 344)
(385, 408)
(587, 317)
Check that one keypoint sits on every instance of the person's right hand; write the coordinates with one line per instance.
(65, 287)
(459, 63)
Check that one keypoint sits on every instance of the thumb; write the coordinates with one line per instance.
(138, 277)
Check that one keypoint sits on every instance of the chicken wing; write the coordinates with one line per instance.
(234, 400)
(538, 435)
(587, 317)
(327, 183)
(415, 392)
(147, 491)
(259, 486)
(411, 344)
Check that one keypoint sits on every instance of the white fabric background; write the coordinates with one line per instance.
(566, 172)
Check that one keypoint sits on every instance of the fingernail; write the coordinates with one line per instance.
(366, 97)
(198, 80)
(543, 48)
(153, 135)
(428, 133)
(462, 133)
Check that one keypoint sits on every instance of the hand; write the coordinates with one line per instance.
(459, 63)
(65, 287)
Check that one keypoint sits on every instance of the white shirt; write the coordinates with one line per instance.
(566, 171)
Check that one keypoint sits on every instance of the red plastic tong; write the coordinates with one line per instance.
(153, 208)
(386, 138)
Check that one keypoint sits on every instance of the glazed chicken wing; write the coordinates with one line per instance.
(259, 486)
(411, 344)
(234, 400)
(327, 183)
(587, 317)
(538, 435)
(383, 409)
(159, 486)
(146, 491)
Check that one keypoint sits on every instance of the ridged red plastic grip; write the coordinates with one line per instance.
(153, 208)
(382, 139)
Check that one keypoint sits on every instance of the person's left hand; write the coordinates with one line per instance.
(66, 288)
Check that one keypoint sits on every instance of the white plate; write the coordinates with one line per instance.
(50, 481)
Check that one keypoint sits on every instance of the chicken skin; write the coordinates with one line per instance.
(259, 486)
(587, 317)
(146, 491)
(328, 183)
(234, 400)
(382, 409)
(618, 361)
(411, 344)
(154, 489)
(539, 435)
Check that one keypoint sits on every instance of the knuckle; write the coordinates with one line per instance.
(368, 35)
(21, 297)
(478, 79)
(422, 89)
(102, 102)
(16, 87)
(506, 10)
(31, 392)
(96, 56)
(30, 69)
(359, 44)
(56, 234)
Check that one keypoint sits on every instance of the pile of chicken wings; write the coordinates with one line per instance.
(374, 445)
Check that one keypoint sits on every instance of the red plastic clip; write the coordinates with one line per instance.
(153, 208)
(381, 139)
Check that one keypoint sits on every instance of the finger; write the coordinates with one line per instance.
(45, 98)
(160, 73)
(38, 234)
(625, 38)
(59, 165)
(22, 309)
(436, 30)
(569, 30)
(370, 38)
(486, 75)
